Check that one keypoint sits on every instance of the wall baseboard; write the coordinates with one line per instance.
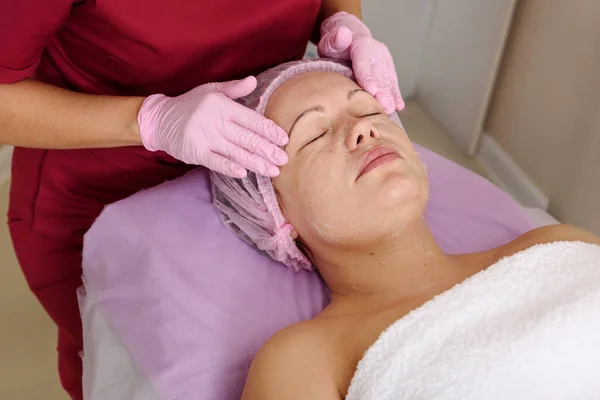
(5, 158)
(509, 176)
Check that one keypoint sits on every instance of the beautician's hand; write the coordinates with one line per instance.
(205, 126)
(344, 36)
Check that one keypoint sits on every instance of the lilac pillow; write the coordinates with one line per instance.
(192, 303)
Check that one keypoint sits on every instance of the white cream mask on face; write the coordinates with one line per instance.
(250, 207)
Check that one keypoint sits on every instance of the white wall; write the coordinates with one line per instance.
(402, 25)
(5, 157)
(462, 54)
(447, 53)
(546, 109)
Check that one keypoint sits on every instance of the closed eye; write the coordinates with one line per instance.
(324, 133)
(318, 137)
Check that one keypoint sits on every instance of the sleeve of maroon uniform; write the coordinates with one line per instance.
(26, 27)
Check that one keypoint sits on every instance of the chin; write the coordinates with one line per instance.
(398, 189)
(390, 207)
(402, 203)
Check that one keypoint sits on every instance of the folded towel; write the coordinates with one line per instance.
(527, 327)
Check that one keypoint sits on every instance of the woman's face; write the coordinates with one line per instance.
(329, 191)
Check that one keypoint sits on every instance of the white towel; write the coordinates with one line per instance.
(527, 327)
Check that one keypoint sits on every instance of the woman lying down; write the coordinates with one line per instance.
(406, 321)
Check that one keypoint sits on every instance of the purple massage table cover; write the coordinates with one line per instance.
(192, 303)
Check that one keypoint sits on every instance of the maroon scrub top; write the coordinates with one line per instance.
(118, 47)
(142, 47)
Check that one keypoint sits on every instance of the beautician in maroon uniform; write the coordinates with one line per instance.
(102, 98)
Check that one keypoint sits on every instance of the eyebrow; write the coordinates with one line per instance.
(320, 108)
(305, 112)
(354, 91)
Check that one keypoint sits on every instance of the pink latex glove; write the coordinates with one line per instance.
(205, 126)
(344, 36)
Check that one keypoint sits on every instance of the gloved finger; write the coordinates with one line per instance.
(256, 144)
(225, 166)
(335, 44)
(364, 74)
(394, 86)
(386, 100)
(385, 83)
(236, 89)
(398, 100)
(249, 161)
(257, 123)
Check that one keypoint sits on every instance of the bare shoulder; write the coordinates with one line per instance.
(556, 233)
(548, 234)
(293, 364)
(295, 344)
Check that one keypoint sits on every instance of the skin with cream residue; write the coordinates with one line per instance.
(344, 213)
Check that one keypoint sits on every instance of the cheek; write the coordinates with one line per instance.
(315, 198)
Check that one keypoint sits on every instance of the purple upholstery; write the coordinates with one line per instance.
(192, 303)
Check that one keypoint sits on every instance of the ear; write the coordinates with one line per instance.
(294, 234)
(303, 248)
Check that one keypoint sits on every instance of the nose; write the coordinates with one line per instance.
(360, 134)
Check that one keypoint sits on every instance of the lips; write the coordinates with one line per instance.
(375, 158)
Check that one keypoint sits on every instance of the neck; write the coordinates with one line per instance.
(409, 265)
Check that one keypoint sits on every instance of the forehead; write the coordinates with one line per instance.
(312, 83)
(307, 89)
